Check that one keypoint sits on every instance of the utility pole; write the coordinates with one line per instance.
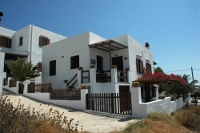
(1, 14)
(192, 75)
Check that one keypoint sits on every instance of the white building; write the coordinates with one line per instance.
(90, 49)
(25, 43)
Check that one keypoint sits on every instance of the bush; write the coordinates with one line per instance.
(189, 117)
(17, 119)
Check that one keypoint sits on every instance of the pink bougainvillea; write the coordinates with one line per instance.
(161, 77)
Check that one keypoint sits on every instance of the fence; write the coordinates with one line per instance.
(40, 87)
(110, 102)
(13, 83)
(66, 94)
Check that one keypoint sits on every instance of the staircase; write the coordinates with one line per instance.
(72, 82)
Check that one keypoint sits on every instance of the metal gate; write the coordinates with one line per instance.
(110, 102)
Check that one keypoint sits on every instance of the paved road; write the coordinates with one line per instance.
(94, 122)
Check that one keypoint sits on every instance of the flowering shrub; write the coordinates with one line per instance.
(160, 77)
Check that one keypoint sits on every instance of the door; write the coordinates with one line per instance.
(99, 63)
(118, 61)
(125, 98)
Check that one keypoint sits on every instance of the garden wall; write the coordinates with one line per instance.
(141, 110)
(45, 97)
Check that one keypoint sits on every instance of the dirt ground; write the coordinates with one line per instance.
(90, 122)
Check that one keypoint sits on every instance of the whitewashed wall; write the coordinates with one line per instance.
(30, 45)
(2, 74)
(62, 52)
(135, 48)
(141, 110)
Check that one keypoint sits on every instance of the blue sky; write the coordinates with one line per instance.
(172, 27)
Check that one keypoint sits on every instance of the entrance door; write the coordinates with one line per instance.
(118, 61)
(99, 63)
(125, 98)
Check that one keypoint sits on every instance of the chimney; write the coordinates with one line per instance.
(147, 45)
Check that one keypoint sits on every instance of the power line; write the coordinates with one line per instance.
(177, 70)
(182, 70)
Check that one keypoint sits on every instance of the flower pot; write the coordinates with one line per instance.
(135, 85)
(83, 87)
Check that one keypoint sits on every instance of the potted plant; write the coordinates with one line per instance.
(80, 68)
(113, 66)
(65, 81)
(135, 83)
(127, 69)
(92, 66)
(173, 98)
(83, 86)
(161, 96)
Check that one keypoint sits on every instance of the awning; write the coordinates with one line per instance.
(108, 45)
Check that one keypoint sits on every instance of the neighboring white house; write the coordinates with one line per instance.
(25, 43)
(61, 60)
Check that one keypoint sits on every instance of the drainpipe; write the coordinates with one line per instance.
(30, 48)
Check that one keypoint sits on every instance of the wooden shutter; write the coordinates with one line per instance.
(148, 67)
(40, 41)
(137, 65)
(48, 41)
(1, 41)
(140, 66)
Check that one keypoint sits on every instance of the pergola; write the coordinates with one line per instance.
(108, 46)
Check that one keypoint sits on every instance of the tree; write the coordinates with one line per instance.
(158, 69)
(190, 87)
(20, 69)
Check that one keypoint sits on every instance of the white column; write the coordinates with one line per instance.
(138, 108)
(83, 98)
(114, 75)
(79, 78)
(92, 79)
(26, 83)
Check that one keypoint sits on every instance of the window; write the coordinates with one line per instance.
(43, 41)
(139, 66)
(5, 42)
(148, 66)
(52, 68)
(74, 62)
(21, 41)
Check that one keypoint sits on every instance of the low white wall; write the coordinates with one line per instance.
(140, 110)
(13, 89)
(45, 97)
